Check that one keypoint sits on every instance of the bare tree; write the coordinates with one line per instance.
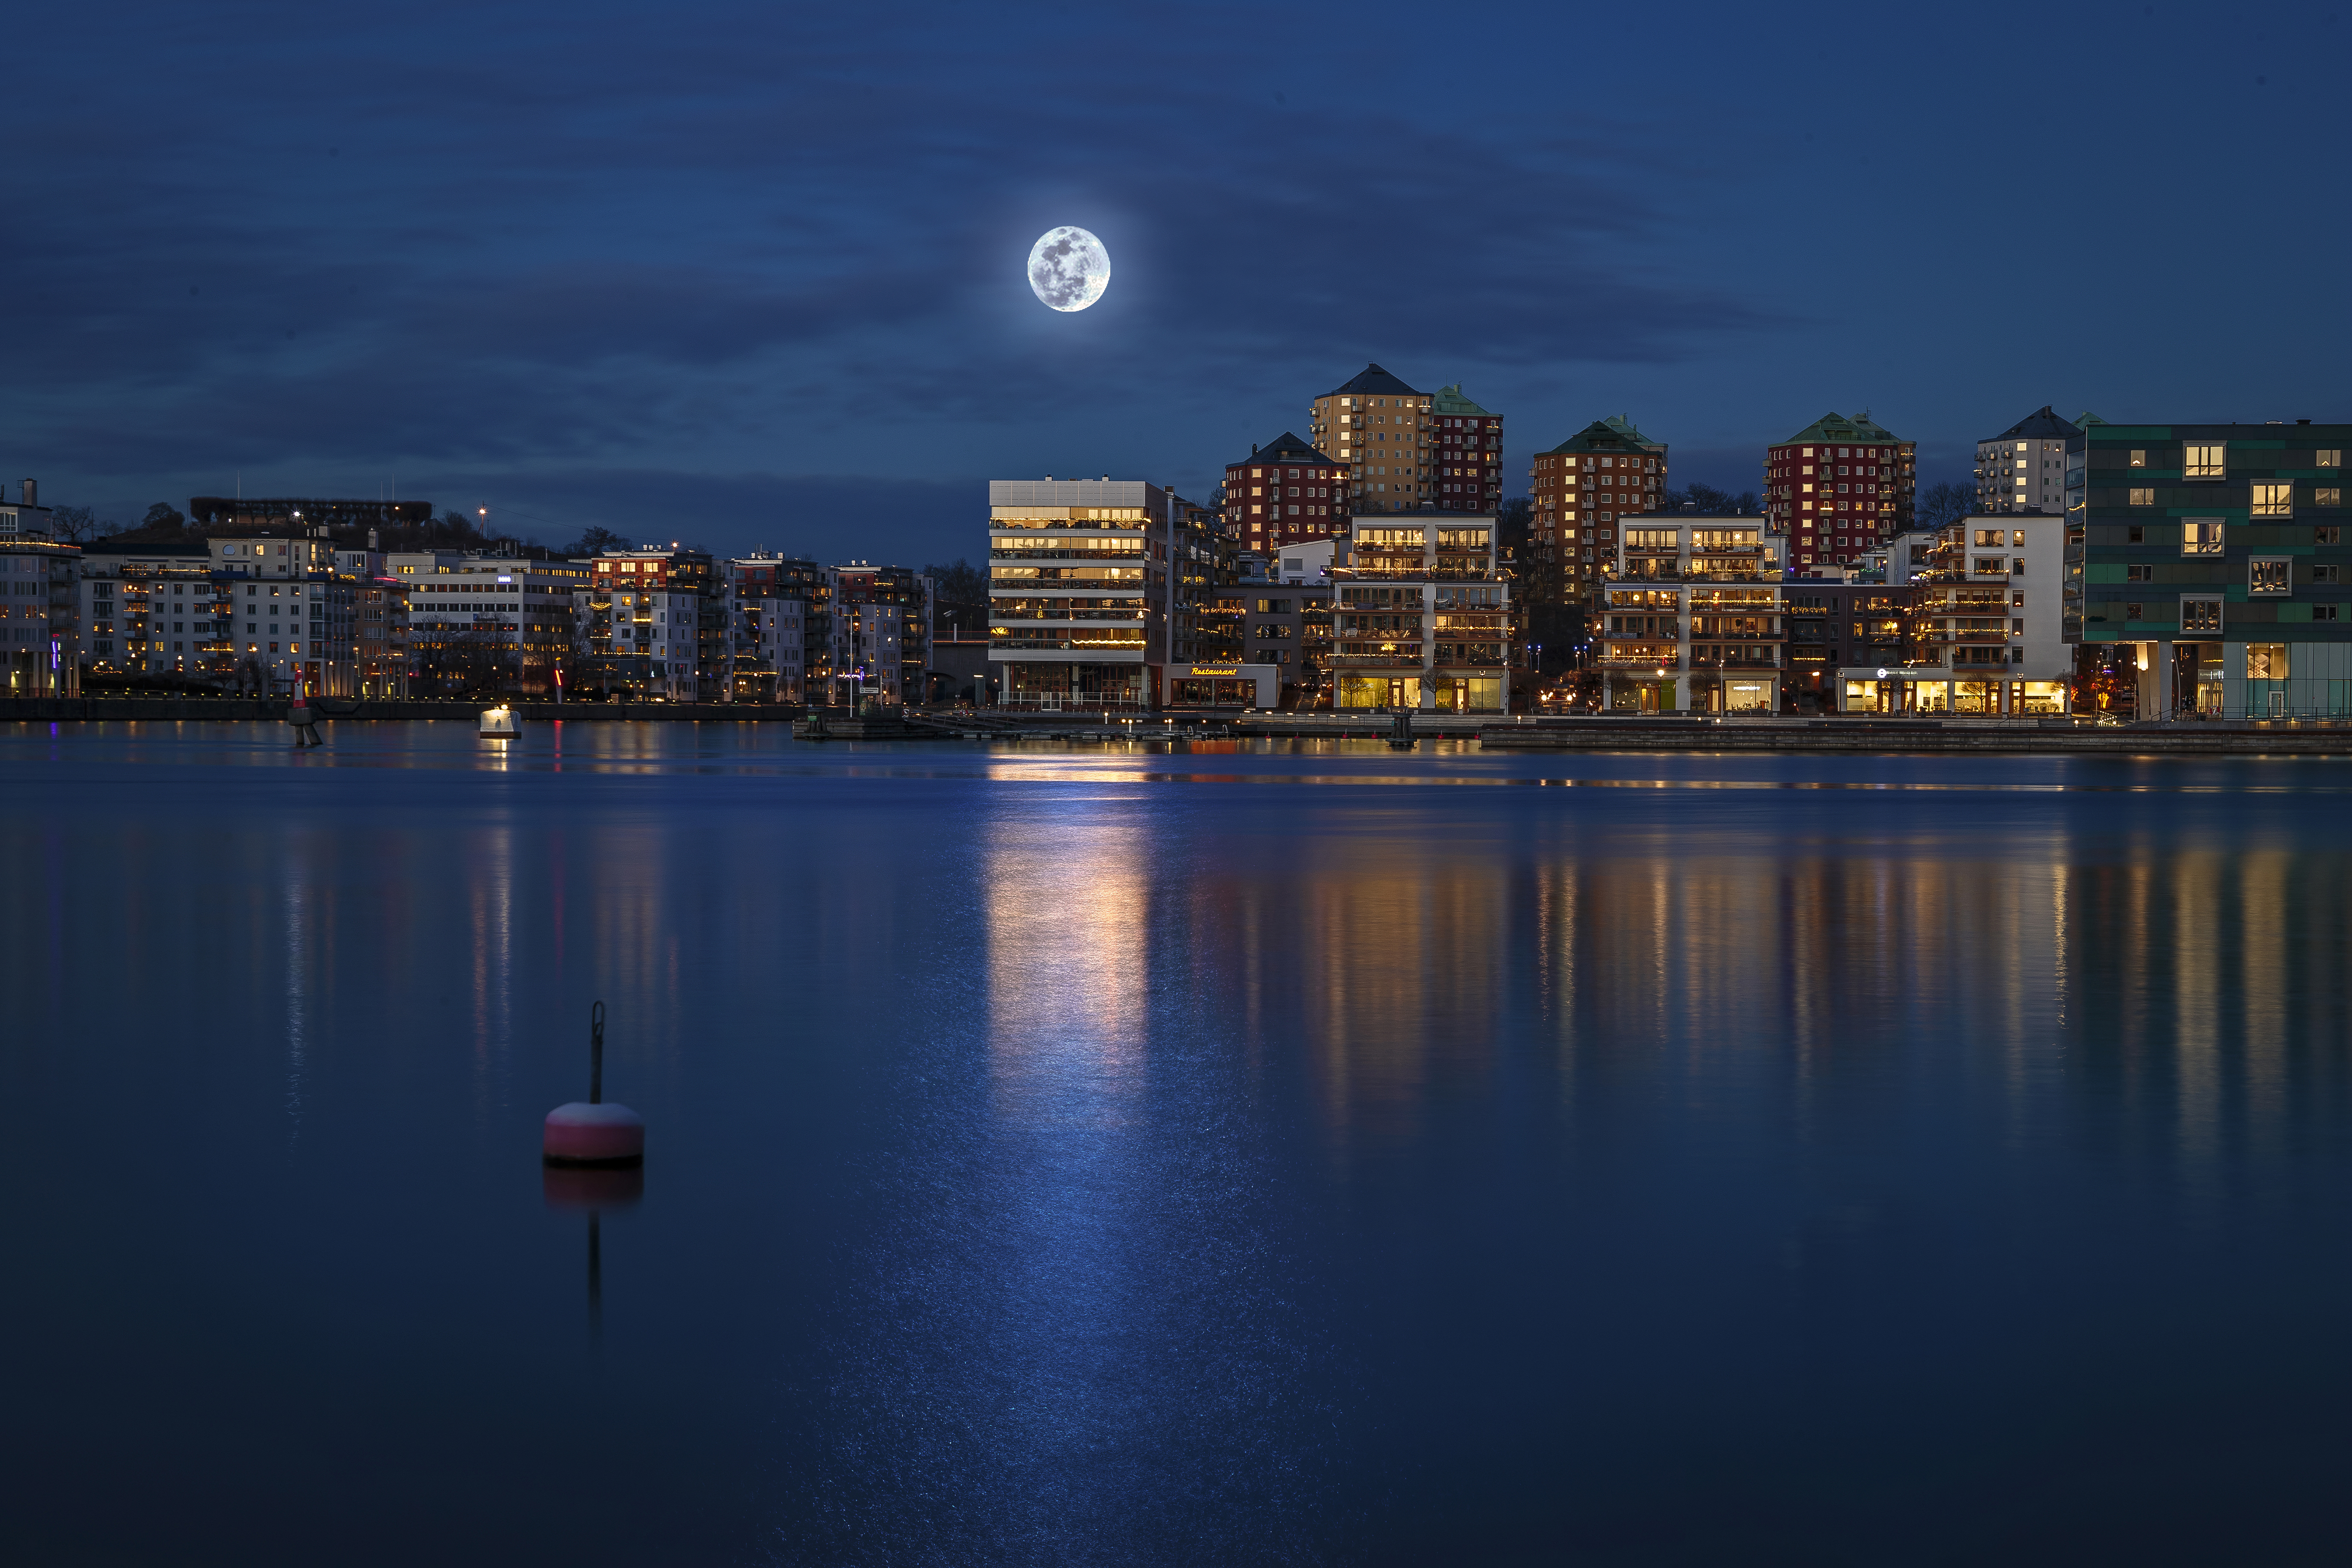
(76, 525)
(1706, 498)
(1945, 503)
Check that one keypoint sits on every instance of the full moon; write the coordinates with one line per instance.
(1068, 267)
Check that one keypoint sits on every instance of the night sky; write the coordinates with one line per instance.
(752, 278)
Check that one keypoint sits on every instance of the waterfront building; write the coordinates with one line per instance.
(1078, 578)
(1288, 621)
(1579, 489)
(879, 626)
(1832, 625)
(2023, 469)
(637, 623)
(306, 629)
(484, 623)
(1384, 435)
(154, 609)
(1691, 617)
(1423, 617)
(382, 602)
(1839, 488)
(772, 612)
(1468, 453)
(1986, 627)
(1203, 624)
(2210, 559)
(39, 622)
(1285, 492)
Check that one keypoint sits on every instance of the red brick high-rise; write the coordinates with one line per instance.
(1282, 493)
(1838, 487)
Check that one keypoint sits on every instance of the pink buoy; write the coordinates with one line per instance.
(585, 1134)
(592, 1132)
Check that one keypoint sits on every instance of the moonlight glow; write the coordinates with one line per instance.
(1068, 267)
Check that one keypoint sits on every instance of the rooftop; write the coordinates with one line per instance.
(2041, 424)
(1050, 491)
(1284, 448)
(1834, 427)
(1615, 435)
(1451, 401)
(1375, 381)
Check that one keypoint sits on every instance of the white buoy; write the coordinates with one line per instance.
(592, 1132)
(499, 723)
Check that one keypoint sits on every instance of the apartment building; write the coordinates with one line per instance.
(1831, 625)
(773, 610)
(1692, 617)
(879, 628)
(1201, 627)
(1422, 614)
(1468, 453)
(1286, 604)
(381, 600)
(269, 555)
(152, 609)
(1987, 629)
(39, 621)
(1839, 488)
(485, 622)
(2023, 469)
(1285, 492)
(1581, 489)
(638, 624)
(1384, 435)
(2215, 555)
(1079, 585)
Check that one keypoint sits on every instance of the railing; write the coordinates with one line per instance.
(1611, 661)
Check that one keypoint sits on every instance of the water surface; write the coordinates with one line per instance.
(1247, 1153)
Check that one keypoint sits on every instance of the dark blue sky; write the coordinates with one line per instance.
(752, 275)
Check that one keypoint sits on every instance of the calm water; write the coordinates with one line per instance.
(1117, 1156)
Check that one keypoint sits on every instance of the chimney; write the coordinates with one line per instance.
(32, 493)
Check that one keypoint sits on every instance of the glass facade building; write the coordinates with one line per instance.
(2206, 567)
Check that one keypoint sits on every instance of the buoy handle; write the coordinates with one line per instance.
(597, 1054)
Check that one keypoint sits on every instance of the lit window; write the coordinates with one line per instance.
(2201, 537)
(2138, 459)
(2272, 500)
(2269, 576)
(2327, 495)
(2201, 462)
(2143, 495)
(2266, 661)
(2331, 458)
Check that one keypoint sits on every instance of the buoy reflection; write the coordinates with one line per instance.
(595, 1190)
